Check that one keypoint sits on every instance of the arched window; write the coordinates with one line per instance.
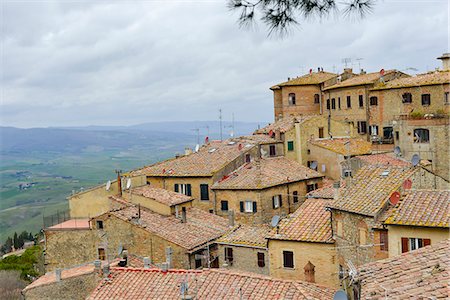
(291, 99)
(421, 135)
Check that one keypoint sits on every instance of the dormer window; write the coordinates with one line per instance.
(291, 99)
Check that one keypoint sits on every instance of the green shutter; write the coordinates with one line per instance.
(290, 145)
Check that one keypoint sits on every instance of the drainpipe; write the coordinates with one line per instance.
(366, 93)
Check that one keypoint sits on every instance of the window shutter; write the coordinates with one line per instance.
(281, 203)
(176, 188)
(426, 242)
(404, 245)
(204, 193)
(273, 202)
(241, 204)
(188, 190)
(254, 207)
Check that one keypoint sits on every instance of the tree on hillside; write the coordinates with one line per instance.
(280, 15)
(16, 241)
(6, 247)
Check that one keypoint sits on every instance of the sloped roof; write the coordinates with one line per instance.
(417, 274)
(246, 235)
(422, 208)
(311, 222)
(432, 78)
(383, 159)
(285, 124)
(266, 172)
(340, 145)
(128, 283)
(161, 195)
(327, 191)
(370, 189)
(308, 79)
(200, 226)
(71, 224)
(363, 79)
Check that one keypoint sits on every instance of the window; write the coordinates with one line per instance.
(272, 150)
(316, 99)
(311, 187)
(288, 259)
(347, 173)
(291, 99)
(99, 224)
(320, 132)
(373, 129)
(333, 103)
(247, 158)
(290, 145)
(339, 102)
(328, 104)
(261, 260)
(397, 135)
(361, 101)
(373, 100)
(407, 98)
(362, 127)
(276, 201)
(198, 263)
(426, 99)
(410, 244)
(384, 240)
(421, 135)
(387, 132)
(183, 189)
(224, 205)
(204, 192)
(248, 206)
(349, 102)
(101, 254)
(229, 255)
(295, 198)
(446, 100)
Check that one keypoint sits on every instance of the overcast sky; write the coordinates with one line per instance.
(69, 63)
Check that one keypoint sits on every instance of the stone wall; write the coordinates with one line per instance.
(329, 162)
(245, 259)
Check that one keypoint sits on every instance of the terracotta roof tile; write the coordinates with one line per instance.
(327, 191)
(340, 145)
(126, 283)
(369, 78)
(432, 78)
(246, 235)
(308, 79)
(419, 274)
(161, 195)
(370, 188)
(422, 208)
(384, 159)
(285, 124)
(266, 173)
(311, 222)
(72, 224)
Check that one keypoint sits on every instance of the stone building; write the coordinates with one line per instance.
(245, 248)
(302, 245)
(301, 95)
(418, 220)
(296, 131)
(327, 154)
(263, 188)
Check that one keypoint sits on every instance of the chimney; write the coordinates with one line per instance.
(183, 215)
(58, 275)
(119, 183)
(164, 267)
(445, 61)
(362, 72)
(106, 270)
(336, 186)
(277, 134)
(187, 151)
(169, 252)
(309, 272)
(146, 263)
(98, 266)
(231, 218)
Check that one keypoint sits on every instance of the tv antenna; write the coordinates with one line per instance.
(232, 125)
(359, 59)
(108, 185)
(346, 61)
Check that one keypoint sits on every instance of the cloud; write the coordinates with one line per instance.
(130, 62)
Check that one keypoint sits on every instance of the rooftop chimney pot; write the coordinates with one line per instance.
(146, 263)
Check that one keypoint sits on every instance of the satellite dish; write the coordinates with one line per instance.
(394, 198)
(407, 184)
(206, 140)
(340, 295)
(313, 165)
(263, 152)
(108, 185)
(397, 150)
(415, 159)
(128, 183)
(275, 221)
(197, 147)
(120, 249)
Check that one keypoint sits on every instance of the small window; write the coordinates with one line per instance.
(99, 224)
(397, 135)
(362, 127)
(373, 100)
(288, 259)
(410, 244)
(316, 99)
(373, 129)
(276, 201)
(347, 173)
(446, 98)
(248, 206)
(333, 103)
(426, 99)
(295, 197)
(229, 255)
(339, 102)
(387, 132)
(361, 101)
(406, 98)
(261, 260)
(349, 102)
(291, 99)
(384, 245)
(101, 254)
(198, 263)
(224, 205)
(290, 145)
(272, 150)
(183, 189)
(421, 135)
(204, 192)
(311, 187)
(324, 168)
(328, 104)
(247, 158)
(320, 132)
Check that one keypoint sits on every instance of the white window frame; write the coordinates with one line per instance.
(414, 242)
(276, 201)
(182, 188)
(374, 129)
(248, 206)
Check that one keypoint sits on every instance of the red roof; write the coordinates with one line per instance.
(72, 224)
